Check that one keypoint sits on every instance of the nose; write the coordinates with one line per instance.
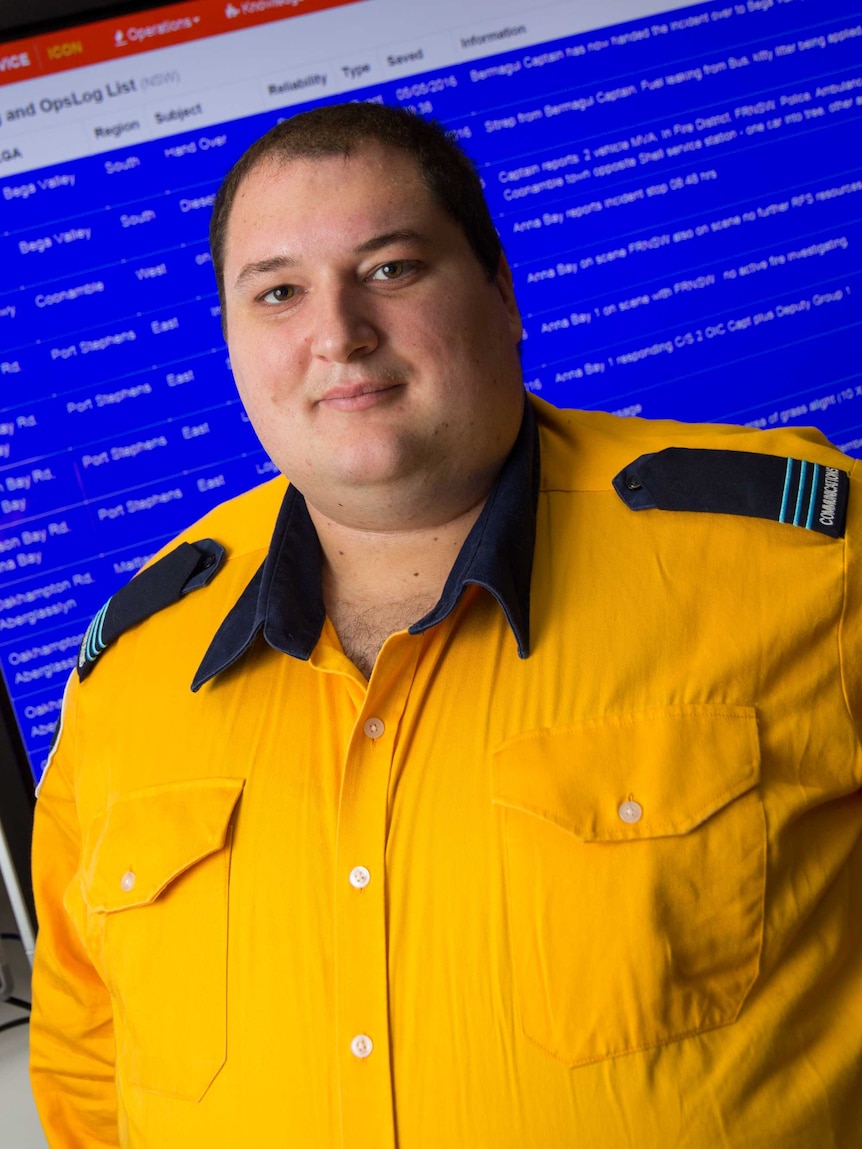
(343, 327)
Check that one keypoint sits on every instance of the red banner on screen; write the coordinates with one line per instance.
(134, 33)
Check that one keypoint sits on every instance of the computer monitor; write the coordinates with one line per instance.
(677, 187)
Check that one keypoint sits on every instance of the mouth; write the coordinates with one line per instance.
(357, 396)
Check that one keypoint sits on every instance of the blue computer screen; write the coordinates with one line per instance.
(680, 200)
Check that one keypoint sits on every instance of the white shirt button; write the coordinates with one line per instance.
(374, 727)
(631, 811)
(127, 882)
(361, 1045)
(359, 877)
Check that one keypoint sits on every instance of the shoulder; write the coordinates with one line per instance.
(790, 475)
(221, 551)
(242, 525)
(776, 509)
(594, 445)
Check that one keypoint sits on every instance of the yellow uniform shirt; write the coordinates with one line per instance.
(607, 895)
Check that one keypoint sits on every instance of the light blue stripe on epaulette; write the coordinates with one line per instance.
(797, 514)
(93, 641)
(804, 490)
(788, 475)
(815, 479)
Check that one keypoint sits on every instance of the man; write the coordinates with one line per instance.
(515, 802)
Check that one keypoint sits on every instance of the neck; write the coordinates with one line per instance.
(377, 582)
(366, 567)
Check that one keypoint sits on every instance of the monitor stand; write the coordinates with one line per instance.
(16, 900)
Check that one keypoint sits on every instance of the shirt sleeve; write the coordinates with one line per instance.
(71, 1027)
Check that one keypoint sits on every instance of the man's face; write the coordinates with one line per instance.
(371, 352)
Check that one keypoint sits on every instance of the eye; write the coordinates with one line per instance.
(280, 294)
(393, 270)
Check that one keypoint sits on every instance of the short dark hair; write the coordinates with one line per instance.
(339, 129)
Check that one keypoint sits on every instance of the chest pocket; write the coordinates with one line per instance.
(635, 868)
(155, 886)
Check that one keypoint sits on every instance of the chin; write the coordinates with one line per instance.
(371, 459)
(372, 479)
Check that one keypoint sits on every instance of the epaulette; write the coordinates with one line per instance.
(804, 494)
(188, 567)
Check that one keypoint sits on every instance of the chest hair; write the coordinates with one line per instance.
(362, 630)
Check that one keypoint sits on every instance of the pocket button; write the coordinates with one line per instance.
(631, 811)
(127, 882)
(361, 1045)
(359, 877)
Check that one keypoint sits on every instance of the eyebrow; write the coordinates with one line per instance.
(405, 235)
(275, 263)
(264, 267)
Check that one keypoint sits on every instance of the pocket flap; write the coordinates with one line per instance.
(672, 767)
(147, 838)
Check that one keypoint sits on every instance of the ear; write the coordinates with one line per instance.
(506, 288)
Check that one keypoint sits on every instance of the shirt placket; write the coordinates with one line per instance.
(362, 989)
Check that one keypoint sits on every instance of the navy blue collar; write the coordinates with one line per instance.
(284, 600)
